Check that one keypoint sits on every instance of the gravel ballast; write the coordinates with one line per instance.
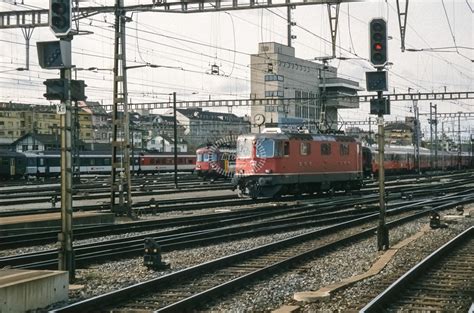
(278, 290)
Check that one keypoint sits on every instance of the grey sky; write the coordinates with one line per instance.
(196, 41)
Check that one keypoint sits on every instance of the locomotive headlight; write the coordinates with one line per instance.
(241, 171)
(146, 250)
(268, 171)
(155, 250)
(198, 166)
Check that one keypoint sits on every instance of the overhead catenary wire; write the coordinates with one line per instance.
(234, 52)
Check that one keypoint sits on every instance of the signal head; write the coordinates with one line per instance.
(378, 42)
(60, 17)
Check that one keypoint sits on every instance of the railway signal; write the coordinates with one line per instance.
(378, 42)
(56, 89)
(60, 17)
(380, 106)
(377, 81)
(152, 255)
(54, 54)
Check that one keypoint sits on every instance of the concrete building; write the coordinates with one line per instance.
(366, 137)
(99, 122)
(277, 74)
(201, 127)
(18, 119)
(399, 133)
(164, 143)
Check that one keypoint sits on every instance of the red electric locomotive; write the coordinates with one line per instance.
(275, 163)
(212, 163)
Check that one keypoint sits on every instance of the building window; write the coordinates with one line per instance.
(325, 149)
(269, 108)
(274, 77)
(274, 93)
(24, 148)
(297, 94)
(35, 147)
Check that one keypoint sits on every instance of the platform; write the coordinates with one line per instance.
(23, 290)
(13, 224)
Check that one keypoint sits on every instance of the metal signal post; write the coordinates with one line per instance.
(377, 81)
(57, 55)
(382, 229)
(66, 252)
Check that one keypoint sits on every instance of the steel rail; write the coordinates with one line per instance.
(140, 204)
(389, 295)
(296, 216)
(190, 236)
(78, 197)
(191, 302)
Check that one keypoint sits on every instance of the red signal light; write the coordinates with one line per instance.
(378, 42)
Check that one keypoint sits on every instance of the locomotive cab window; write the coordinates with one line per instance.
(344, 149)
(282, 148)
(325, 149)
(265, 148)
(199, 157)
(286, 148)
(244, 148)
(305, 148)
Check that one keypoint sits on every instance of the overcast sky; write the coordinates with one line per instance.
(194, 42)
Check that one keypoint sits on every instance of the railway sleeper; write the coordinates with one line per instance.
(416, 308)
(439, 289)
(441, 286)
(435, 303)
(428, 298)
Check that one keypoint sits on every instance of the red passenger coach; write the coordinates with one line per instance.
(151, 162)
(275, 163)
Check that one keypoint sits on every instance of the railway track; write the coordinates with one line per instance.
(414, 189)
(144, 206)
(442, 282)
(39, 236)
(214, 229)
(38, 196)
(99, 186)
(200, 230)
(187, 289)
(87, 179)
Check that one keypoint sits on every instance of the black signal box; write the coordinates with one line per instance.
(376, 81)
(380, 106)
